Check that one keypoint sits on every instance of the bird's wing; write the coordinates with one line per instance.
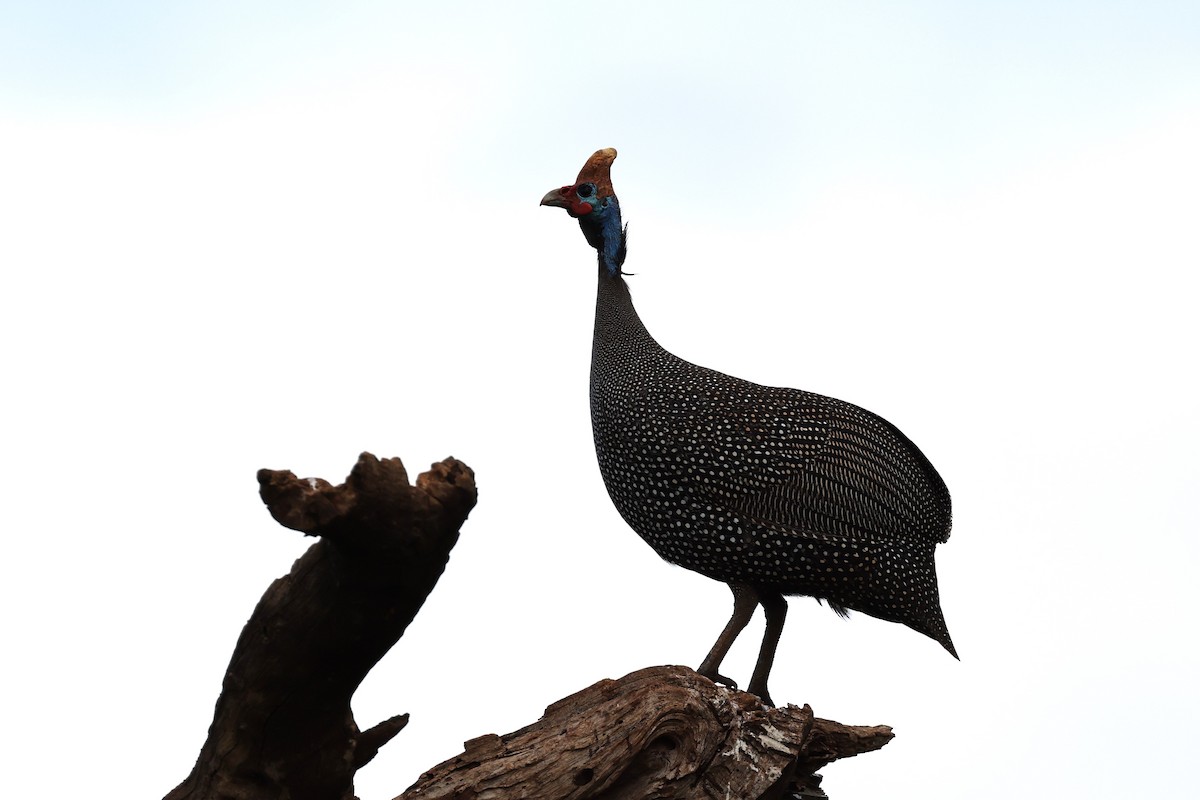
(819, 466)
(786, 458)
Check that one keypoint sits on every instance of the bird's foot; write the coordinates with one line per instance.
(717, 677)
(761, 692)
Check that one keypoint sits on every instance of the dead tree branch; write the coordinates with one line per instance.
(662, 732)
(282, 726)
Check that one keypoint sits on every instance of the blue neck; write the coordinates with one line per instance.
(603, 230)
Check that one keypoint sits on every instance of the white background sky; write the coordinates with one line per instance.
(244, 235)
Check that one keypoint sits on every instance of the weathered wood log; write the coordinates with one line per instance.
(282, 727)
(662, 732)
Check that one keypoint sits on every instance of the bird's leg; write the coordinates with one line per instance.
(775, 609)
(745, 600)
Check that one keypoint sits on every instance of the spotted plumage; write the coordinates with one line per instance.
(773, 491)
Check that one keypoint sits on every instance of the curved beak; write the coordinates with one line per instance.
(557, 198)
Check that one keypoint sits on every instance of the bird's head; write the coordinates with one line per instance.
(592, 192)
(591, 200)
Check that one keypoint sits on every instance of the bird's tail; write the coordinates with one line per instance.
(935, 628)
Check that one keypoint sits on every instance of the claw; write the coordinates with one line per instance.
(762, 694)
(717, 677)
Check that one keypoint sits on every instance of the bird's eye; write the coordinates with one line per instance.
(586, 189)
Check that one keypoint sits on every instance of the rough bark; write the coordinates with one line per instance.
(662, 732)
(282, 727)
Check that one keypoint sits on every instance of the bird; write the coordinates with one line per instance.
(776, 492)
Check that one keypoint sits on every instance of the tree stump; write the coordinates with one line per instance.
(282, 727)
(661, 732)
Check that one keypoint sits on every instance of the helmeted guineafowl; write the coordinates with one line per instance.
(773, 491)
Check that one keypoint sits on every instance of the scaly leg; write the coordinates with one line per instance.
(745, 600)
(775, 608)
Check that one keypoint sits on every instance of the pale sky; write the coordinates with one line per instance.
(276, 236)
